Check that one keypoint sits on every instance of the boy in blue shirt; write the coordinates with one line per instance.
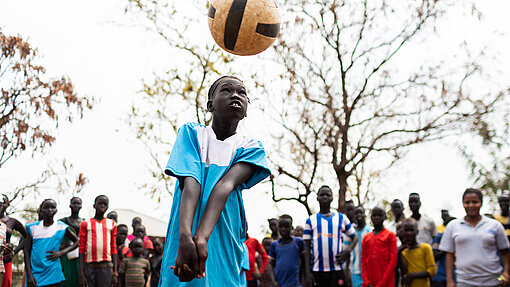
(212, 164)
(285, 255)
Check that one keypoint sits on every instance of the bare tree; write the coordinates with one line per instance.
(350, 107)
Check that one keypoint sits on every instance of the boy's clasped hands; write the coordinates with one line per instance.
(191, 258)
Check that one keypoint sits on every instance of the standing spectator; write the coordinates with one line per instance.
(265, 279)
(362, 229)
(322, 234)
(473, 242)
(148, 246)
(255, 271)
(155, 262)
(98, 248)
(440, 279)
(273, 226)
(418, 257)
(133, 270)
(397, 209)
(134, 223)
(426, 226)
(42, 245)
(445, 216)
(379, 253)
(10, 251)
(70, 262)
(504, 204)
(285, 254)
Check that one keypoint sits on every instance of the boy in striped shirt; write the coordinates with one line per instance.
(133, 269)
(323, 244)
(98, 248)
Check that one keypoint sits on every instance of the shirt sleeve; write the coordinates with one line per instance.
(429, 260)
(389, 273)
(185, 159)
(113, 243)
(263, 254)
(307, 230)
(245, 263)
(272, 250)
(83, 237)
(347, 227)
(365, 250)
(300, 244)
(447, 243)
(147, 244)
(501, 238)
(254, 154)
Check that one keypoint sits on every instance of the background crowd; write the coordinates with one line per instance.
(330, 249)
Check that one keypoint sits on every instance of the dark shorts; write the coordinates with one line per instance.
(252, 283)
(329, 279)
(98, 277)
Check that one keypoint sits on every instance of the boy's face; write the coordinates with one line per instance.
(414, 203)
(230, 99)
(113, 216)
(409, 231)
(298, 231)
(273, 225)
(136, 247)
(359, 215)
(101, 204)
(349, 211)
(504, 202)
(48, 209)
(266, 243)
(75, 205)
(377, 216)
(135, 222)
(139, 231)
(122, 234)
(158, 246)
(284, 227)
(396, 208)
(325, 196)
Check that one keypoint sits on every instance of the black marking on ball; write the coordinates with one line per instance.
(268, 30)
(212, 11)
(233, 23)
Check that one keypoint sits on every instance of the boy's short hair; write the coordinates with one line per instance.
(101, 196)
(410, 220)
(214, 86)
(134, 240)
(122, 226)
(286, 216)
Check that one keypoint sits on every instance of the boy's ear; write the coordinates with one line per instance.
(210, 107)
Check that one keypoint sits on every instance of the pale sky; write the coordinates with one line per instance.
(108, 61)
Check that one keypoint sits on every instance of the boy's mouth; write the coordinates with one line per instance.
(235, 104)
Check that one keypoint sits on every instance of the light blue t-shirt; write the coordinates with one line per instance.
(199, 154)
(46, 238)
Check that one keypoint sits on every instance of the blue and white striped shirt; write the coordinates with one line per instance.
(325, 234)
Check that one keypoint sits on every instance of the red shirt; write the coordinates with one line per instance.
(254, 246)
(98, 239)
(379, 259)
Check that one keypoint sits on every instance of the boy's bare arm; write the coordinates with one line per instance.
(186, 263)
(236, 175)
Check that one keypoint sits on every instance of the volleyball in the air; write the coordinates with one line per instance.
(244, 27)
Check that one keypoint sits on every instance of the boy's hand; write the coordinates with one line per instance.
(31, 281)
(114, 279)
(257, 275)
(201, 245)
(342, 257)
(408, 279)
(186, 263)
(81, 280)
(54, 255)
(309, 282)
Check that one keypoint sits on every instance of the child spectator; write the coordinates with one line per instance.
(379, 253)
(155, 262)
(362, 229)
(213, 165)
(70, 262)
(98, 248)
(265, 279)
(285, 254)
(418, 257)
(255, 271)
(148, 246)
(42, 248)
(133, 270)
(273, 226)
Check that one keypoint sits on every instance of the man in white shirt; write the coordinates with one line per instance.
(426, 226)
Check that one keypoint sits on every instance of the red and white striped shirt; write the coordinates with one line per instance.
(98, 239)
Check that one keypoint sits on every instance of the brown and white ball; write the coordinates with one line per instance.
(244, 27)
